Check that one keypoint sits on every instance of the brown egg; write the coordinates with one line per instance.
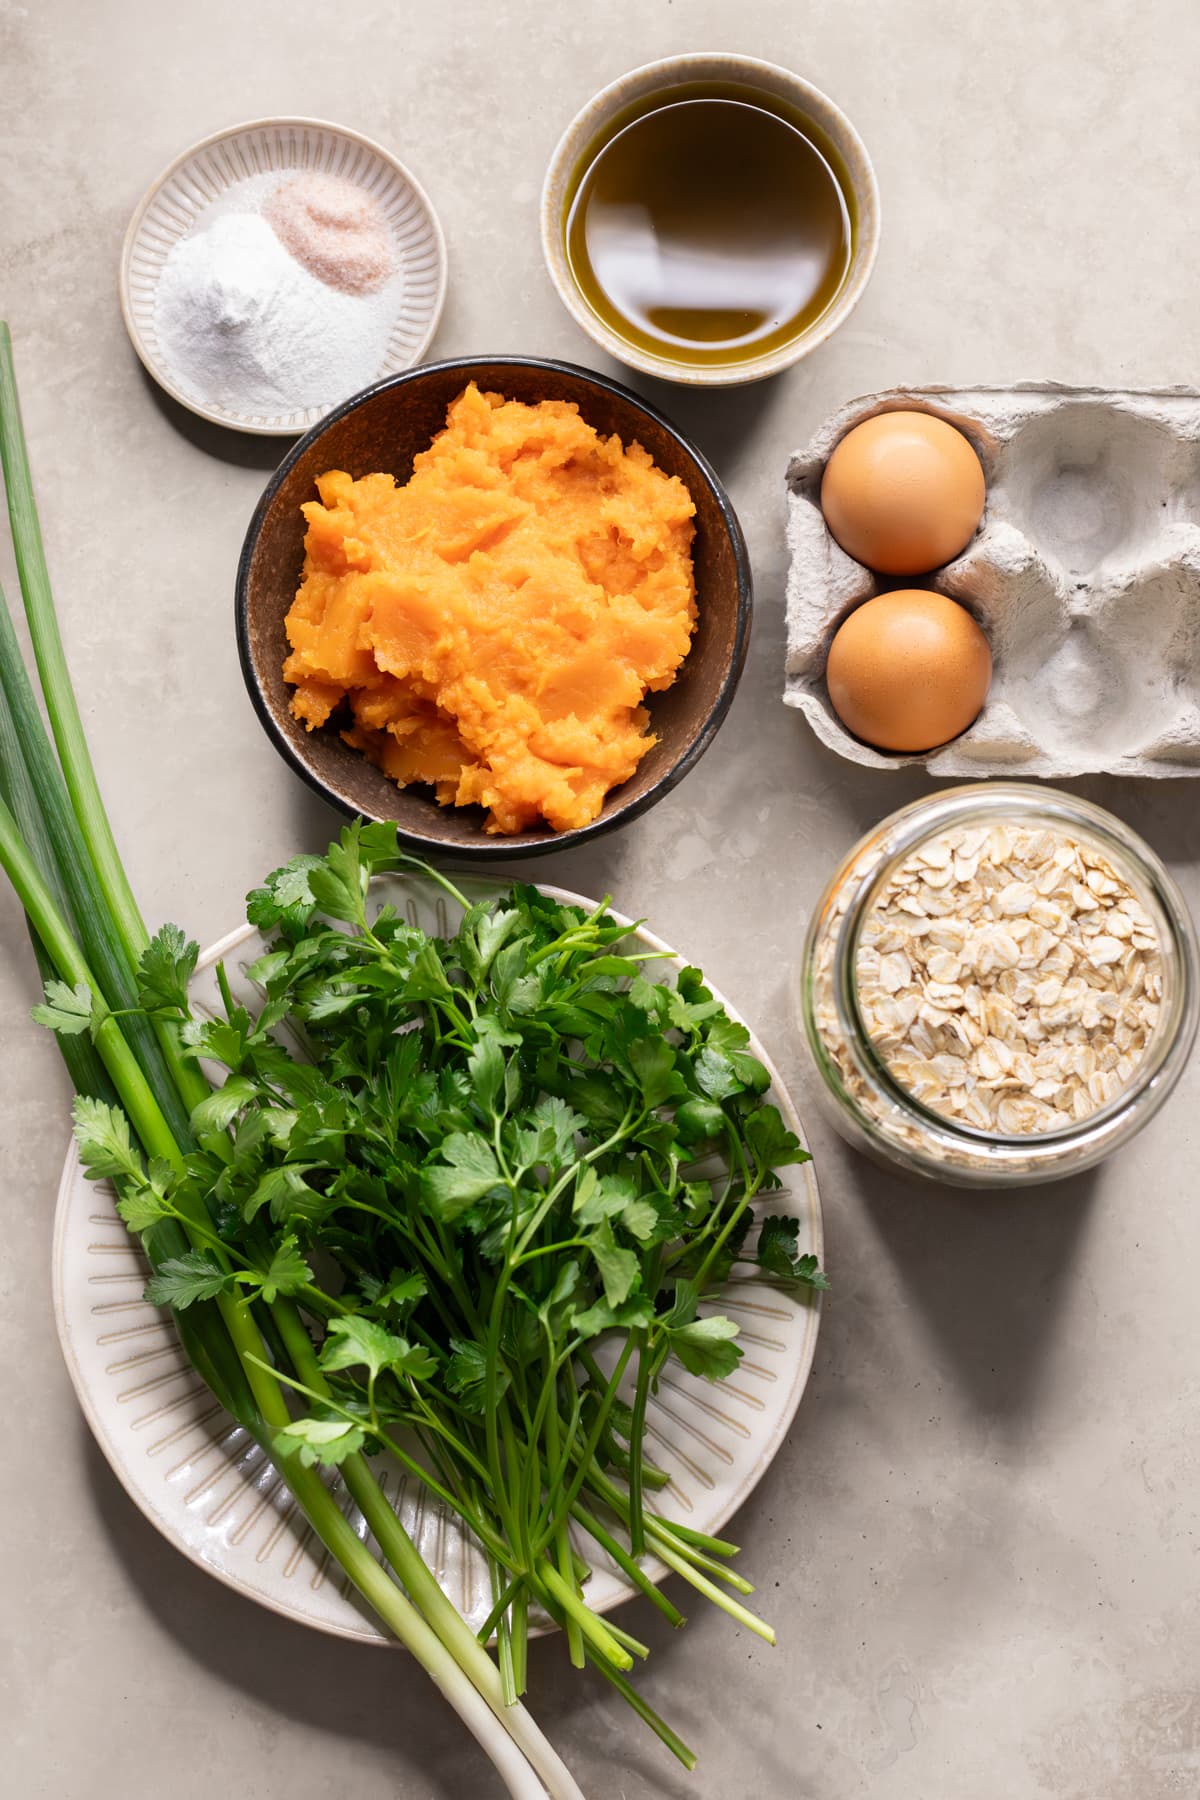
(908, 670)
(903, 492)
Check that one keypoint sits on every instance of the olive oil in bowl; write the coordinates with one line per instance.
(709, 224)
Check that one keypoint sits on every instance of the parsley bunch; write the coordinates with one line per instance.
(471, 1161)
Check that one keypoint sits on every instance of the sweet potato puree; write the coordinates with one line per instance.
(495, 624)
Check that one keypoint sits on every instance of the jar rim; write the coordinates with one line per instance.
(1042, 808)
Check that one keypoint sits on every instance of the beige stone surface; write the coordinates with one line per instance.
(979, 1545)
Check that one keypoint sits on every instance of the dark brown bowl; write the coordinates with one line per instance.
(383, 428)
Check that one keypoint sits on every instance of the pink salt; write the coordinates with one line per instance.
(333, 229)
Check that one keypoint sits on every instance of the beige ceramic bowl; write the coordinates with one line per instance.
(676, 71)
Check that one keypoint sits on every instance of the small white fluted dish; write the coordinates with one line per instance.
(200, 178)
(207, 1486)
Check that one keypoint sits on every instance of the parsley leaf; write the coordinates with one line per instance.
(182, 1280)
(105, 1144)
(630, 1315)
(776, 1252)
(467, 1172)
(619, 1269)
(142, 1208)
(682, 1309)
(398, 1294)
(355, 1341)
(771, 1141)
(67, 1010)
(167, 965)
(556, 1308)
(727, 1036)
(485, 1067)
(466, 1374)
(286, 1273)
(549, 1136)
(653, 1063)
(716, 1074)
(222, 1106)
(482, 934)
(325, 1441)
(641, 1217)
(284, 1190)
(285, 891)
(705, 1347)
(338, 883)
(602, 1197)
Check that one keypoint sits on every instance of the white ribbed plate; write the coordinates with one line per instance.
(209, 1488)
(201, 175)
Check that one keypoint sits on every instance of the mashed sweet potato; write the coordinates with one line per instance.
(494, 625)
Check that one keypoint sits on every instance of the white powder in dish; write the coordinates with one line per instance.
(245, 327)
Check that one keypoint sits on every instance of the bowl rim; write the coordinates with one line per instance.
(673, 69)
(500, 847)
(158, 371)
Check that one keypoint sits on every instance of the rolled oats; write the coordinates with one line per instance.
(1008, 978)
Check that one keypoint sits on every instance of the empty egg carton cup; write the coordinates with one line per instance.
(1085, 575)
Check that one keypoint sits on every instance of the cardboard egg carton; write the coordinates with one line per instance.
(1085, 575)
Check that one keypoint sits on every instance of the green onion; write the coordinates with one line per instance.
(51, 660)
(58, 852)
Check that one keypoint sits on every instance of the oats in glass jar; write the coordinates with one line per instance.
(1009, 978)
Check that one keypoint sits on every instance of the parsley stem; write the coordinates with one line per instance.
(645, 1712)
(632, 1571)
(318, 1389)
(498, 1621)
(504, 1596)
(682, 1566)
(627, 1641)
(698, 1539)
(567, 1601)
(708, 1564)
(520, 1637)
(402, 860)
(583, 1470)
(637, 1431)
(463, 1451)
(748, 1187)
(324, 1305)
(562, 1542)
(679, 1538)
(556, 1471)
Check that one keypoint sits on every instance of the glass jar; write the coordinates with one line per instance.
(882, 1117)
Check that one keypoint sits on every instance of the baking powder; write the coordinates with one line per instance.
(247, 328)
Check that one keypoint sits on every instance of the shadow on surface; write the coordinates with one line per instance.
(245, 449)
(351, 1690)
(987, 1271)
(719, 420)
(371, 1694)
(314, 823)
